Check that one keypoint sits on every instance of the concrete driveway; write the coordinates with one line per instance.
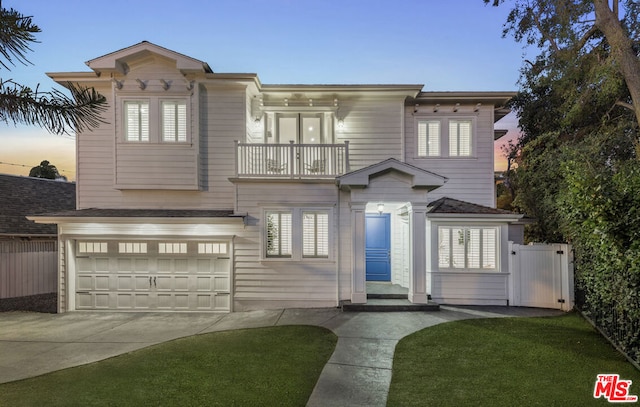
(357, 374)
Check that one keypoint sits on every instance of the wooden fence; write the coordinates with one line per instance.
(28, 268)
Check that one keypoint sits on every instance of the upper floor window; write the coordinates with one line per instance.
(136, 120)
(460, 138)
(174, 120)
(429, 138)
(156, 120)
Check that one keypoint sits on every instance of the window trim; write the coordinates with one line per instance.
(297, 233)
(280, 254)
(428, 120)
(125, 120)
(155, 118)
(445, 120)
(316, 237)
(472, 136)
(176, 122)
(466, 229)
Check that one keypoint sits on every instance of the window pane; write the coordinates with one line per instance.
(457, 247)
(460, 137)
(311, 130)
(287, 129)
(489, 252)
(429, 138)
(473, 249)
(315, 234)
(174, 121)
(136, 121)
(278, 226)
(444, 247)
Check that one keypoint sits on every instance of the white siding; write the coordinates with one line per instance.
(470, 288)
(373, 128)
(469, 179)
(269, 283)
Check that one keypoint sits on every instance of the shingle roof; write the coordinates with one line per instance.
(143, 213)
(454, 206)
(23, 196)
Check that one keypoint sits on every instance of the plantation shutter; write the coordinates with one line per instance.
(458, 239)
(460, 138)
(489, 251)
(444, 247)
(315, 234)
(429, 138)
(137, 121)
(279, 234)
(174, 121)
(473, 248)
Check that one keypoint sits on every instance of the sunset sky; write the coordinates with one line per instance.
(447, 46)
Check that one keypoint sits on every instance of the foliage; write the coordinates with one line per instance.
(274, 366)
(46, 170)
(55, 111)
(551, 361)
(577, 168)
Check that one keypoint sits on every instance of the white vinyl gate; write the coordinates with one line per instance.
(542, 276)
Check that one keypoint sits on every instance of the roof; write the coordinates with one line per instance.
(421, 178)
(22, 196)
(452, 206)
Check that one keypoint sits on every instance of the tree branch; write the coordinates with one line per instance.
(625, 105)
(53, 110)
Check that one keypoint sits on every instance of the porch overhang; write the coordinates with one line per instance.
(451, 210)
(421, 179)
(174, 216)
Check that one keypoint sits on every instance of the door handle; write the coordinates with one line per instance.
(154, 282)
(149, 282)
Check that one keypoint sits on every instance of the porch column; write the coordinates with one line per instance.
(418, 272)
(358, 266)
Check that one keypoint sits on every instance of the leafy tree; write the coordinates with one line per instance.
(52, 110)
(46, 170)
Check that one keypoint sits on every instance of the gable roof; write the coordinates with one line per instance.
(421, 178)
(23, 196)
(117, 61)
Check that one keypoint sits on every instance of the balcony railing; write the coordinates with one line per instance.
(291, 160)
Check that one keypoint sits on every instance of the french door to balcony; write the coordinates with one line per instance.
(301, 128)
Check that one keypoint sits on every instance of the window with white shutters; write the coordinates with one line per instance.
(468, 248)
(460, 138)
(174, 121)
(279, 234)
(136, 120)
(315, 234)
(429, 138)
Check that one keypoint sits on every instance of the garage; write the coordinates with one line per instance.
(153, 275)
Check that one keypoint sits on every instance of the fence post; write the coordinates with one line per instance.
(513, 298)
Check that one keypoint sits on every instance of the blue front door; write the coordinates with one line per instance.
(378, 247)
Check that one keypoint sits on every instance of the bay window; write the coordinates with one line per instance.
(155, 120)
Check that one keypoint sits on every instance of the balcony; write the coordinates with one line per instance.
(291, 161)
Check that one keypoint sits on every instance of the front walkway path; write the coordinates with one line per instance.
(357, 374)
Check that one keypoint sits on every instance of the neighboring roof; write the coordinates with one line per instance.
(421, 178)
(450, 206)
(131, 215)
(23, 196)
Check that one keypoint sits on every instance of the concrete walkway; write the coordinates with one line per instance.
(357, 374)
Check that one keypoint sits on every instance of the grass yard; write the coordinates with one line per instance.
(275, 366)
(505, 362)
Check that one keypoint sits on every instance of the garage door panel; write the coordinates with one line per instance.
(169, 276)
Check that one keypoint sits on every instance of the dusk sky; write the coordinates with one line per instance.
(453, 45)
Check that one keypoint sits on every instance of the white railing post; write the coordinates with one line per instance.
(346, 156)
(237, 154)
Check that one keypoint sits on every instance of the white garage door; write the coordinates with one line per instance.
(153, 275)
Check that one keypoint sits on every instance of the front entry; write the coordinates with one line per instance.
(378, 247)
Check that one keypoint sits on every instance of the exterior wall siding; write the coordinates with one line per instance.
(274, 283)
(469, 179)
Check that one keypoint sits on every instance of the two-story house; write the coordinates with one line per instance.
(212, 191)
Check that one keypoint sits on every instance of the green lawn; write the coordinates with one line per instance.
(505, 362)
(275, 366)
